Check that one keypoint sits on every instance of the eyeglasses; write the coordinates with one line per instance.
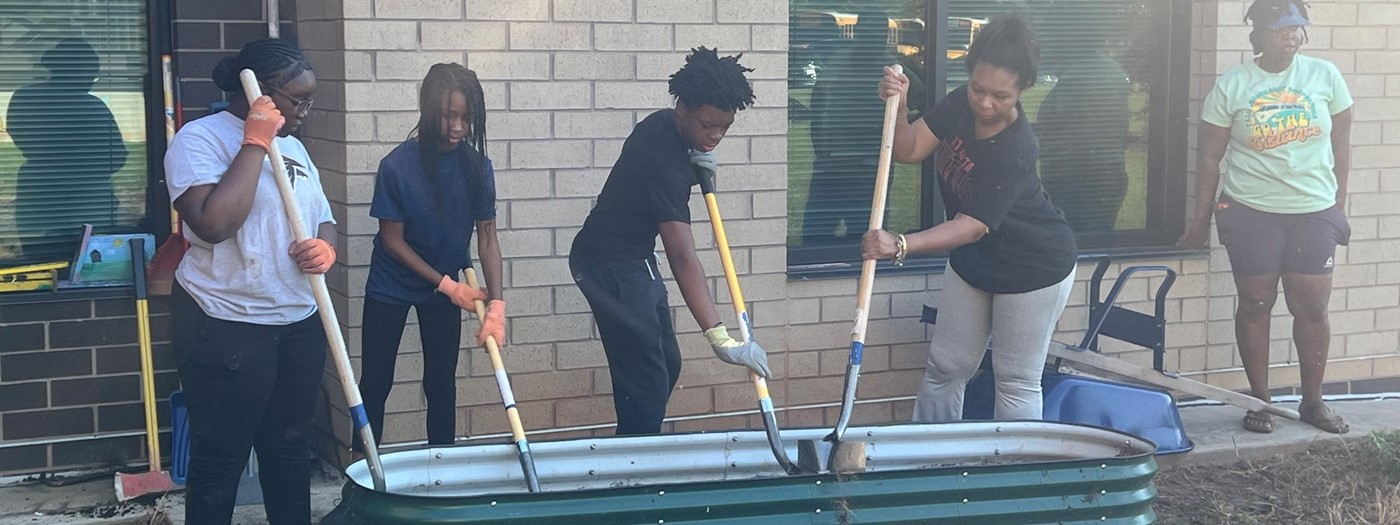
(302, 106)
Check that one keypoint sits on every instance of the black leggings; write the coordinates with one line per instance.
(629, 303)
(247, 385)
(440, 331)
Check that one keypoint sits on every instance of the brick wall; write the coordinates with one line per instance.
(70, 383)
(208, 30)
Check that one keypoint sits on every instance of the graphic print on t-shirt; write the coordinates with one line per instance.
(955, 166)
(294, 170)
(1280, 116)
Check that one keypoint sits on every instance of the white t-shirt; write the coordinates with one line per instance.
(250, 277)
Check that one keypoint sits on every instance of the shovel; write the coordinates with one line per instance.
(154, 480)
(849, 456)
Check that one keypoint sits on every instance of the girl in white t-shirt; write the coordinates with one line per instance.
(248, 344)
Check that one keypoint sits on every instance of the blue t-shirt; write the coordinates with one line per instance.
(438, 217)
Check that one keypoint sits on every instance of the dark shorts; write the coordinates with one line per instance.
(1263, 243)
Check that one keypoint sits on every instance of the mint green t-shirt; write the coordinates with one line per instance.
(1280, 155)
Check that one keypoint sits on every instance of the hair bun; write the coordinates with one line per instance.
(226, 76)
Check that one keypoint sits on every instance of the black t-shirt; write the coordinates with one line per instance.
(649, 184)
(1030, 245)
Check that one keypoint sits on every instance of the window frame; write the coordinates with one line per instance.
(1167, 160)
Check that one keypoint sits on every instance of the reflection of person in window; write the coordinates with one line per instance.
(846, 133)
(1013, 255)
(1083, 129)
(67, 133)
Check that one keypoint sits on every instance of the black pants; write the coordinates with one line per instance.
(247, 385)
(440, 331)
(629, 303)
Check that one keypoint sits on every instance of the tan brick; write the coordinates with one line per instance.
(593, 66)
(730, 38)
(1373, 343)
(381, 96)
(571, 327)
(512, 10)
(1373, 297)
(631, 95)
(592, 124)
(555, 154)
(631, 37)
(579, 183)
(517, 125)
(1352, 322)
(770, 38)
(1388, 227)
(509, 65)
(394, 127)
(1373, 252)
(1333, 14)
(418, 9)
(525, 301)
(549, 95)
(593, 10)
(525, 243)
(606, 152)
(464, 35)
(674, 12)
(549, 213)
(1385, 367)
(690, 401)
(660, 66)
(550, 36)
(364, 158)
(748, 12)
(391, 65)
(369, 35)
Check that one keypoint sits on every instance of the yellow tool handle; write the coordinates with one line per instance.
(493, 349)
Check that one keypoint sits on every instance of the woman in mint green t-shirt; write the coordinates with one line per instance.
(1282, 124)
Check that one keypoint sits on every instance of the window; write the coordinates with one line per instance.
(1109, 110)
(75, 115)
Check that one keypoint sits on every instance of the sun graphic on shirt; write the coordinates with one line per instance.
(1281, 116)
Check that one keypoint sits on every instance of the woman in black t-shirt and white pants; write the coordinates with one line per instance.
(1012, 253)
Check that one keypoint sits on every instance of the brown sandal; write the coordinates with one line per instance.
(1322, 417)
(1260, 422)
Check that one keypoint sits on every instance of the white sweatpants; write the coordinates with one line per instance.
(1019, 328)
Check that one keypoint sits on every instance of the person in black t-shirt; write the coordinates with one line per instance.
(613, 261)
(1013, 254)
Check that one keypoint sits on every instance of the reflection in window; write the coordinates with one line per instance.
(72, 143)
(1089, 108)
(837, 54)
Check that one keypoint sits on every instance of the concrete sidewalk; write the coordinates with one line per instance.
(1215, 430)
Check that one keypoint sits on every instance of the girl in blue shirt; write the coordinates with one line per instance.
(429, 193)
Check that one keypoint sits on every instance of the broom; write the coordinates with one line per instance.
(160, 276)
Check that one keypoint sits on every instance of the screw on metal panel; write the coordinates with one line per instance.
(493, 504)
(819, 482)
(734, 439)
(1105, 465)
(660, 521)
(439, 455)
(819, 511)
(593, 447)
(734, 464)
(964, 500)
(591, 472)
(1103, 518)
(964, 474)
(661, 493)
(437, 482)
(1103, 492)
(998, 429)
(869, 433)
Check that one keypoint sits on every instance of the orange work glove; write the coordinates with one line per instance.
(461, 294)
(262, 123)
(313, 255)
(494, 325)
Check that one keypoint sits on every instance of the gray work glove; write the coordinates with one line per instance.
(704, 162)
(735, 353)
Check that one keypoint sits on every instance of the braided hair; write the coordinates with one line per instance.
(1265, 12)
(273, 60)
(1007, 42)
(707, 79)
(439, 84)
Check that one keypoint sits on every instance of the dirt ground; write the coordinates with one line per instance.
(1356, 481)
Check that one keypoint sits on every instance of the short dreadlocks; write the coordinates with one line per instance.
(707, 79)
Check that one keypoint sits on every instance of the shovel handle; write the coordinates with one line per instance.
(329, 323)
